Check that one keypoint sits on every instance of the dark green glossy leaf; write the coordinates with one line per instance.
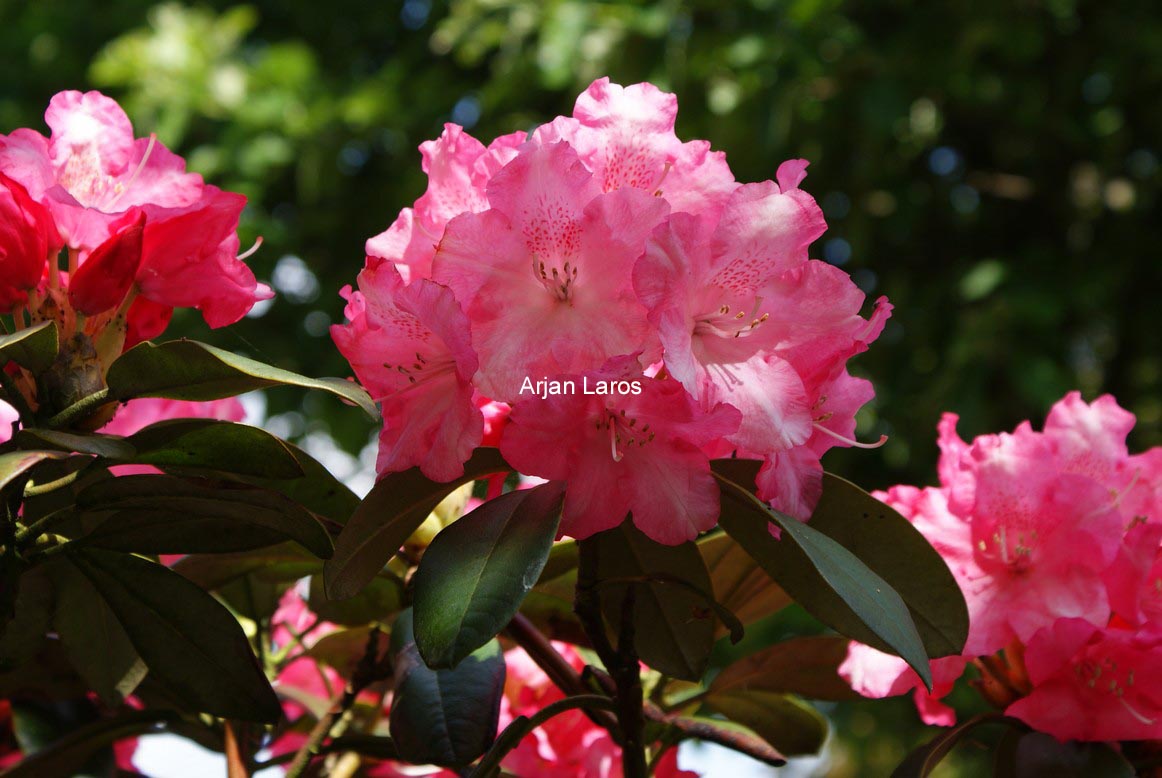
(189, 370)
(825, 578)
(791, 726)
(93, 638)
(675, 625)
(444, 717)
(892, 547)
(218, 445)
(32, 595)
(109, 446)
(806, 666)
(67, 755)
(16, 463)
(1037, 755)
(476, 572)
(276, 564)
(160, 514)
(388, 515)
(378, 601)
(740, 583)
(192, 645)
(923, 760)
(33, 348)
(317, 489)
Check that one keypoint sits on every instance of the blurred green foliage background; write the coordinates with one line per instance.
(991, 166)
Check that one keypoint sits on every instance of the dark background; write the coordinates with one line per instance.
(992, 167)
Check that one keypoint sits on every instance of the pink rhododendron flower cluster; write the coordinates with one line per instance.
(1054, 538)
(608, 305)
(143, 236)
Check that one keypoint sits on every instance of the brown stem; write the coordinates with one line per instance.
(370, 670)
(622, 662)
(235, 759)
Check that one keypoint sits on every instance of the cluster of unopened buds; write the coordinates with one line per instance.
(141, 236)
(612, 309)
(1054, 538)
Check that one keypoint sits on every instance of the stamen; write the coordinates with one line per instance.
(140, 166)
(883, 438)
(252, 249)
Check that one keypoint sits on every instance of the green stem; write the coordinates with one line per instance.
(38, 527)
(36, 490)
(521, 726)
(81, 409)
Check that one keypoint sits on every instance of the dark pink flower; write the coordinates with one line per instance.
(1091, 683)
(409, 345)
(28, 241)
(622, 451)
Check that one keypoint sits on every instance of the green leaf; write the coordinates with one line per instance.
(894, 549)
(161, 514)
(825, 578)
(792, 726)
(550, 607)
(34, 348)
(444, 717)
(276, 564)
(109, 446)
(379, 600)
(675, 625)
(388, 515)
(923, 760)
(215, 445)
(192, 645)
(1038, 754)
(317, 489)
(740, 583)
(69, 754)
(93, 638)
(15, 464)
(807, 666)
(474, 575)
(33, 605)
(189, 370)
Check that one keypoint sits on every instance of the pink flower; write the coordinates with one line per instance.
(409, 345)
(745, 319)
(1028, 521)
(875, 674)
(138, 414)
(623, 451)
(8, 417)
(544, 274)
(625, 136)
(458, 168)
(28, 239)
(174, 237)
(1091, 683)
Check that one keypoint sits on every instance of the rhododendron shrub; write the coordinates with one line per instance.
(604, 374)
(1053, 537)
(600, 305)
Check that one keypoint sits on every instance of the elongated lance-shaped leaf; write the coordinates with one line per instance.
(388, 515)
(210, 444)
(477, 571)
(16, 463)
(444, 717)
(806, 563)
(189, 370)
(892, 547)
(192, 645)
(162, 514)
(33, 348)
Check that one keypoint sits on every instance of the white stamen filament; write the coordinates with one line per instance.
(252, 249)
(883, 438)
(137, 172)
